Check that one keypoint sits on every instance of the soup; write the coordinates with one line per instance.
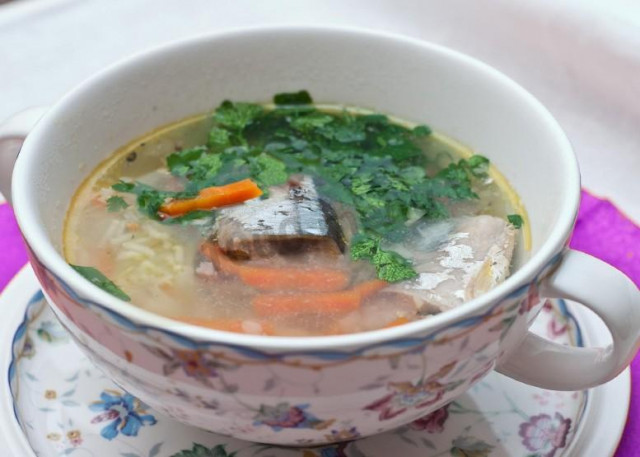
(295, 219)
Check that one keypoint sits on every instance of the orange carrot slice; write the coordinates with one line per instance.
(274, 279)
(369, 288)
(213, 197)
(396, 322)
(286, 304)
(223, 263)
(327, 302)
(317, 280)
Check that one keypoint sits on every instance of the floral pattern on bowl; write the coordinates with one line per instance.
(65, 405)
(226, 388)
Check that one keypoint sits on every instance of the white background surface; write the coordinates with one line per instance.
(581, 58)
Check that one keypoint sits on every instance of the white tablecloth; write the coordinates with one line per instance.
(581, 57)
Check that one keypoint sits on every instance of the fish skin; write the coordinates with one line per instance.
(293, 219)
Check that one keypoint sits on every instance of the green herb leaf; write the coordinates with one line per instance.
(293, 98)
(479, 166)
(237, 116)
(346, 132)
(189, 217)
(149, 199)
(364, 247)
(203, 171)
(268, 171)
(123, 186)
(457, 178)
(363, 161)
(374, 119)
(421, 130)
(390, 266)
(94, 276)
(116, 203)
(516, 220)
(179, 163)
(311, 121)
(219, 138)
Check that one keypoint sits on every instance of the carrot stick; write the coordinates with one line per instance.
(326, 302)
(228, 325)
(368, 288)
(396, 322)
(223, 263)
(105, 262)
(274, 279)
(318, 280)
(213, 197)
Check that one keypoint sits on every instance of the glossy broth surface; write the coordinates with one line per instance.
(186, 270)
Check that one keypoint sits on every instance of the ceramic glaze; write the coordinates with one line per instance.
(289, 396)
(496, 417)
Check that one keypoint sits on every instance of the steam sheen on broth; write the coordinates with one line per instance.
(295, 219)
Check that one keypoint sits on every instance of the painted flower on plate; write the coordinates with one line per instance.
(50, 394)
(52, 332)
(285, 416)
(28, 348)
(74, 437)
(126, 414)
(545, 434)
(198, 450)
(468, 446)
(433, 422)
(345, 434)
(334, 451)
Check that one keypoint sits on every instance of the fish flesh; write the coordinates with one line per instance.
(456, 260)
(292, 220)
(468, 257)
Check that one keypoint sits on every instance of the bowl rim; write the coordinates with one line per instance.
(38, 240)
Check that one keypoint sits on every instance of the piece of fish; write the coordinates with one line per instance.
(456, 259)
(463, 259)
(292, 220)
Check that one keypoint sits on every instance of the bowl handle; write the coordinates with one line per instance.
(607, 292)
(12, 134)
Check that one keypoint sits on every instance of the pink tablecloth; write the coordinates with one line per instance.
(601, 230)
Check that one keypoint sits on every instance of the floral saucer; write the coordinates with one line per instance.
(57, 403)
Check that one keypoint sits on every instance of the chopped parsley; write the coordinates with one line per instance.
(367, 162)
(421, 130)
(149, 199)
(268, 171)
(516, 220)
(390, 266)
(199, 215)
(237, 116)
(293, 98)
(116, 203)
(96, 277)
